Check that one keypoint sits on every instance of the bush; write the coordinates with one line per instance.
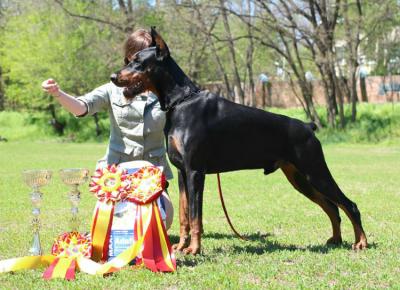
(375, 123)
(33, 126)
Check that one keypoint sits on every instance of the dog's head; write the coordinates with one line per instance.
(139, 73)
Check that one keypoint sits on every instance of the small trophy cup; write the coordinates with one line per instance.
(74, 177)
(35, 179)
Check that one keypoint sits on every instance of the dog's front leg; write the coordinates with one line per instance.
(183, 213)
(195, 187)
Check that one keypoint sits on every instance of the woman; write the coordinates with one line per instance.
(136, 125)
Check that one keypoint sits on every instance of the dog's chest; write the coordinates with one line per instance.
(175, 149)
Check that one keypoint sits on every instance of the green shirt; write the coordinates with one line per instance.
(136, 126)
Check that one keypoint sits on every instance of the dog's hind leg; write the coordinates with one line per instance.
(302, 185)
(183, 213)
(310, 161)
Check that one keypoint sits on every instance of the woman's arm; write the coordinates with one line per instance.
(73, 105)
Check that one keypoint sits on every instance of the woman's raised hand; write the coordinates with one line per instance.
(50, 86)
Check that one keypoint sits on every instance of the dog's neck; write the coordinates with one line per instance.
(173, 86)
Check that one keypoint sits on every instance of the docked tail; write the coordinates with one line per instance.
(313, 126)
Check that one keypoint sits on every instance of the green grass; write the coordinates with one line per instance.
(287, 232)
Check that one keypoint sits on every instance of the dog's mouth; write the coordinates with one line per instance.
(132, 91)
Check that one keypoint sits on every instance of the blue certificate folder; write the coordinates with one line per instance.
(120, 240)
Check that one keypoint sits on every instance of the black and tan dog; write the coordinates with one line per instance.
(209, 134)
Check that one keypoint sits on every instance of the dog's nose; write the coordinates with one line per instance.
(113, 77)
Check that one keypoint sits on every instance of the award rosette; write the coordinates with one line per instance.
(112, 185)
(109, 185)
(68, 248)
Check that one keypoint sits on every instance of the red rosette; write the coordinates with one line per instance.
(147, 184)
(110, 183)
(72, 244)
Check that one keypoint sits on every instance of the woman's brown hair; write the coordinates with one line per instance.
(138, 40)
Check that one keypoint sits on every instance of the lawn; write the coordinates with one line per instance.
(287, 232)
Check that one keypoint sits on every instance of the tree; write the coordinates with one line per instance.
(231, 46)
(306, 33)
(2, 24)
(250, 55)
(52, 45)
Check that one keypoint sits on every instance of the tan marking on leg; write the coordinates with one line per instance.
(176, 143)
(195, 241)
(359, 234)
(184, 222)
(290, 170)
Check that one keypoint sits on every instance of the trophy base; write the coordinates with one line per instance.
(36, 249)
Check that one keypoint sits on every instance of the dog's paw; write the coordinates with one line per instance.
(183, 243)
(178, 247)
(361, 245)
(334, 241)
(191, 250)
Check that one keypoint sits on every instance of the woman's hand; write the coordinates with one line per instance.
(73, 105)
(50, 86)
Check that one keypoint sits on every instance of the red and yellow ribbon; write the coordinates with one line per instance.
(68, 248)
(109, 185)
(146, 185)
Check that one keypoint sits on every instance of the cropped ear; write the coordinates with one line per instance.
(157, 41)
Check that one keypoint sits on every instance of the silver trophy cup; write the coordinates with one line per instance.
(36, 179)
(74, 177)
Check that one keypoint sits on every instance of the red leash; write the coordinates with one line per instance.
(225, 211)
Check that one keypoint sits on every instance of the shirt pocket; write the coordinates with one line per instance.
(128, 114)
(121, 111)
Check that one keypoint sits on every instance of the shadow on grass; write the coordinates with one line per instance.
(272, 246)
(259, 244)
(249, 237)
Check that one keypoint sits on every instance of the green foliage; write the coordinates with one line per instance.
(42, 42)
(14, 126)
(376, 123)
(18, 126)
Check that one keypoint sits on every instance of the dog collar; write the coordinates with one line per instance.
(182, 100)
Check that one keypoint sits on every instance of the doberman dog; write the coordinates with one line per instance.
(208, 134)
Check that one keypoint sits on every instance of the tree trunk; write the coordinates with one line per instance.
(54, 122)
(2, 97)
(340, 98)
(229, 91)
(329, 95)
(249, 59)
(96, 121)
(353, 95)
(232, 54)
(363, 87)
